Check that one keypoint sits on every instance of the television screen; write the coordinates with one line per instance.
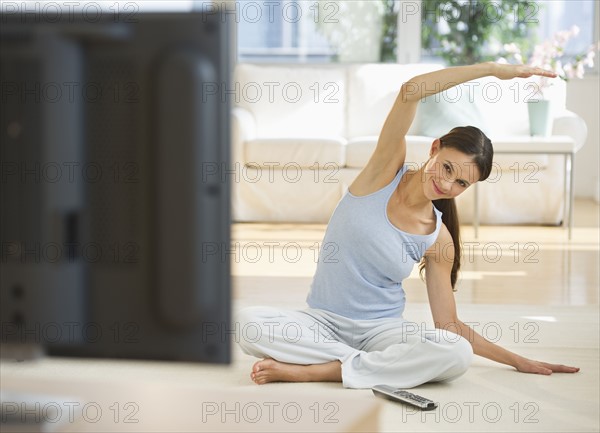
(114, 208)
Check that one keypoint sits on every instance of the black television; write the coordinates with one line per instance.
(113, 201)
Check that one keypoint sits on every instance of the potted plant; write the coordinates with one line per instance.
(352, 28)
(360, 31)
(549, 54)
(467, 32)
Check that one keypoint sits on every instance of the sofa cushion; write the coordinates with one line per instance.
(293, 101)
(498, 107)
(372, 90)
(315, 153)
(503, 103)
(486, 103)
(360, 149)
(438, 114)
(278, 196)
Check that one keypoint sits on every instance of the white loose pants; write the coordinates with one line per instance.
(372, 352)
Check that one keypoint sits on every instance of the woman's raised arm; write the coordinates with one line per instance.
(390, 152)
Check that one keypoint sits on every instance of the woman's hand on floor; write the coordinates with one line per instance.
(537, 367)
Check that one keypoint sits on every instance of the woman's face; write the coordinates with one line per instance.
(448, 172)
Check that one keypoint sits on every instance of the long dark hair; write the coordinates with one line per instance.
(473, 142)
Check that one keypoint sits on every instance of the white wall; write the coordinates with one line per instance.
(583, 98)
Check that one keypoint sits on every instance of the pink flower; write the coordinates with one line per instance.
(550, 54)
(512, 48)
(589, 58)
(574, 31)
(569, 71)
(580, 71)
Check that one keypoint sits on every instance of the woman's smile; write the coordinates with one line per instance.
(436, 189)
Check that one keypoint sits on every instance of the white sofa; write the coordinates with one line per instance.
(301, 134)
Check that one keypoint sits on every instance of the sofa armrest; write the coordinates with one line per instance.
(568, 123)
(243, 128)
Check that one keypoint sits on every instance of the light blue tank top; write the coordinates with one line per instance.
(364, 258)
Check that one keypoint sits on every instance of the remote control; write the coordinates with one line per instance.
(396, 394)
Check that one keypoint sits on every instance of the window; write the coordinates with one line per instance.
(562, 15)
(281, 31)
(350, 30)
(92, 6)
(311, 30)
(463, 32)
(344, 30)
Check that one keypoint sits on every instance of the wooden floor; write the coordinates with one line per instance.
(274, 263)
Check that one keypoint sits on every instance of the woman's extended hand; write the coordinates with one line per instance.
(537, 367)
(507, 71)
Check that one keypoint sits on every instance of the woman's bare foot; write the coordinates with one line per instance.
(269, 370)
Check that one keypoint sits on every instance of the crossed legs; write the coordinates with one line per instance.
(314, 345)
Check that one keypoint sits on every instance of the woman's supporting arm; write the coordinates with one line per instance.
(489, 350)
(443, 309)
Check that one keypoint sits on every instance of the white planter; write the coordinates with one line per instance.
(540, 122)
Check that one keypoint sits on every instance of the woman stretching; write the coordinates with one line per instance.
(390, 219)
